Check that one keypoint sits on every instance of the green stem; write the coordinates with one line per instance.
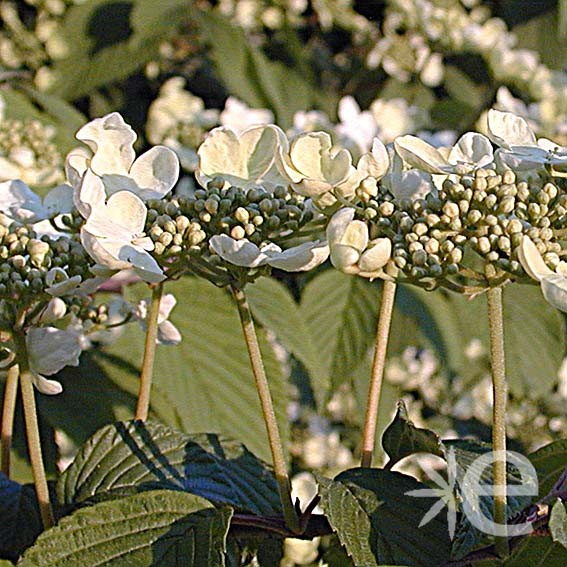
(377, 375)
(262, 386)
(499, 397)
(144, 391)
(8, 411)
(34, 448)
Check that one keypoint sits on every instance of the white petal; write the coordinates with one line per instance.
(59, 200)
(344, 257)
(45, 386)
(89, 193)
(507, 129)
(155, 172)
(422, 155)
(531, 260)
(51, 349)
(376, 256)
(300, 258)
(127, 210)
(338, 224)
(472, 148)
(376, 163)
(76, 164)
(168, 334)
(554, 288)
(166, 305)
(238, 252)
(19, 201)
(112, 141)
(99, 253)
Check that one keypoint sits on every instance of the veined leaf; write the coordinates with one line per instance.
(379, 523)
(159, 527)
(131, 456)
(558, 523)
(207, 376)
(341, 313)
(274, 307)
(550, 462)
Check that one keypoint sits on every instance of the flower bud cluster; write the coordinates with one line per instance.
(28, 153)
(31, 265)
(181, 228)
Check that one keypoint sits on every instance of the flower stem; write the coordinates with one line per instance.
(34, 448)
(278, 457)
(499, 397)
(8, 411)
(377, 375)
(144, 391)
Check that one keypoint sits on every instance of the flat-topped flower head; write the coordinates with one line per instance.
(150, 176)
(244, 160)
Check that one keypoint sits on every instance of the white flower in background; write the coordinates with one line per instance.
(352, 251)
(243, 253)
(519, 148)
(150, 176)
(396, 117)
(239, 117)
(507, 102)
(168, 334)
(356, 125)
(513, 65)
(49, 350)
(113, 236)
(553, 283)
(312, 166)
(20, 203)
(472, 151)
(310, 121)
(245, 160)
(178, 119)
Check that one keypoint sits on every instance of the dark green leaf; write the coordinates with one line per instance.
(154, 528)
(379, 523)
(341, 313)
(134, 455)
(537, 551)
(558, 523)
(207, 377)
(274, 307)
(20, 521)
(550, 462)
(402, 438)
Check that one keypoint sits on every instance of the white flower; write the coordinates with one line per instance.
(168, 334)
(472, 151)
(519, 148)
(50, 350)
(396, 117)
(239, 117)
(312, 166)
(151, 176)
(245, 160)
(352, 251)
(60, 284)
(553, 283)
(360, 127)
(20, 203)
(243, 253)
(113, 236)
(405, 183)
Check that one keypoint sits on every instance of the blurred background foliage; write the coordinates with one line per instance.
(63, 62)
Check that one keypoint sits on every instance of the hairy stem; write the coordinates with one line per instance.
(276, 447)
(34, 448)
(8, 411)
(144, 391)
(499, 397)
(377, 375)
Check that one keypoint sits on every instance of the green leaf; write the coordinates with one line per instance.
(20, 521)
(558, 523)
(402, 438)
(251, 76)
(207, 377)
(136, 456)
(153, 528)
(110, 40)
(550, 461)
(379, 523)
(341, 312)
(274, 307)
(462, 88)
(536, 551)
